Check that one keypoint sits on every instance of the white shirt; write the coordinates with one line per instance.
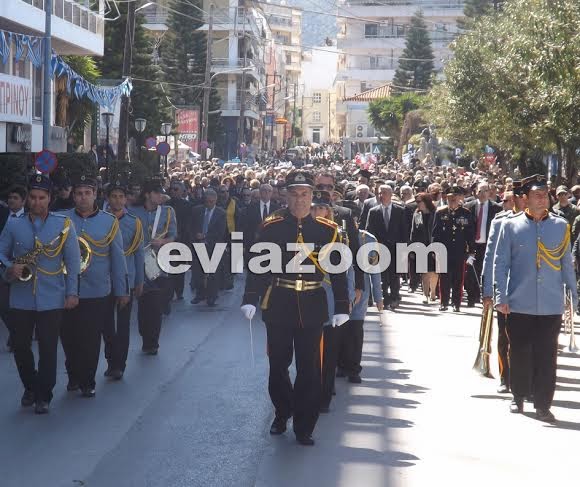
(17, 214)
(483, 224)
(264, 209)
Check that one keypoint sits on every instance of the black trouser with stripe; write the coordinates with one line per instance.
(503, 346)
(331, 341)
(452, 281)
(116, 332)
(533, 351)
(81, 339)
(351, 345)
(42, 380)
(301, 400)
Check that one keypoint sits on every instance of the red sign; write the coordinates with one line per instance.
(187, 120)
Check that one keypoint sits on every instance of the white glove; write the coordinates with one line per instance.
(338, 320)
(249, 310)
(470, 260)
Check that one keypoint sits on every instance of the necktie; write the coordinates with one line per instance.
(479, 218)
(386, 217)
(263, 211)
(206, 221)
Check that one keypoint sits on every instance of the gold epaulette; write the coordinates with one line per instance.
(273, 218)
(327, 222)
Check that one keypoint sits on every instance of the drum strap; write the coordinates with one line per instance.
(156, 222)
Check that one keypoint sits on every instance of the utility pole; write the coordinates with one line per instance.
(242, 125)
(127, 60)
(294, 114)
(207, 82)
(47, 95)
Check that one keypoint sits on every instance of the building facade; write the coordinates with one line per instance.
(371, 47)
(77, 29)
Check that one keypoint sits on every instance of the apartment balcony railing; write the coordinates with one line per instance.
(221, 64)
(422, 4)
(75, 13)
(158, 17)
(250, 106)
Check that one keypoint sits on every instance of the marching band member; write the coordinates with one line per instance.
(487, 284)
(34, 249)
(532, 264)
(106, 273)
(294, 309)
(116, 335)
(159, 227)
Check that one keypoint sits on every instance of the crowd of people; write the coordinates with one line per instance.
(120, 224)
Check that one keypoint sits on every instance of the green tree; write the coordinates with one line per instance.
(183, 58)
(416, 64)
(516, 89)
(388, 114)
(473, 9)
(148, 99)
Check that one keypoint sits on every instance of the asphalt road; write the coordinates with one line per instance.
(198, 415)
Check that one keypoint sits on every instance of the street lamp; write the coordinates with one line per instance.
(107, 118)
(166, 130)
(140, 124)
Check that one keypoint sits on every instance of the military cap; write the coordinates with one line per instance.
(85, 180)
(517, 188)
(457, 190)
(321, 198)
(561, 189)
(299, 178)
(40, 181)
(118, 183)
(537, 181)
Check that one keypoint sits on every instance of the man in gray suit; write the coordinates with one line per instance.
(209, 228)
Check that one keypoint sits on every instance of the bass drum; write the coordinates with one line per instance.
(152, 269)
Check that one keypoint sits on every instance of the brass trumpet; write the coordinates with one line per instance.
(28, 259)
(86, 255)
(481, 365)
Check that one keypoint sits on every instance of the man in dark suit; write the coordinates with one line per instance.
(370, 203)
(483, 211)
(388, 222)
(256, 213)
(183, 210)
(209, 228)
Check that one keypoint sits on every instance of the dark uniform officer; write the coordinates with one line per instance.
(44, 242)
(294, 308)
(453, 227)
(106, 273)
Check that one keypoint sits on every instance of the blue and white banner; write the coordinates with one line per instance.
(31, 48)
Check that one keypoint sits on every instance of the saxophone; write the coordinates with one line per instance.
(29, 260)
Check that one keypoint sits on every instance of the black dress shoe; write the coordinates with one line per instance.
(471, 305)
(503, 389)
(211, 304)
(354, 379)
(109, 371)
(88, 392)
(305, 440)
(545, 415)
(41, 407)
(27, 399)
(116, 374)
(179, 298)
(150, 350)
(196, 300)
(456, 309)
(443, 308)
(517, 406)
(278, 426)
(72, 386)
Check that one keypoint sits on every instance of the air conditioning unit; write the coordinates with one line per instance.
(359, 134)
(360, 128)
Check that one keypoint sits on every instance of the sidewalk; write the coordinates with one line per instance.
(422, 417)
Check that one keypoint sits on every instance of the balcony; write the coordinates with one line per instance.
(224, 65)
(376, 73)
(401, 8)
(155, 18)
(293, 67)
(232, 109)
(76, 29)
(238, 19)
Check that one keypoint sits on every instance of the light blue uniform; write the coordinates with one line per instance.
(132, 229)
(49, 286)
(107, 266)
(327, 285)
(166, 228)
(527, 287)
(372, 282)
(487, 273)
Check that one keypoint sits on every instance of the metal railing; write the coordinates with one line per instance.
(423, 4)
(75, 13)
(225, 63)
